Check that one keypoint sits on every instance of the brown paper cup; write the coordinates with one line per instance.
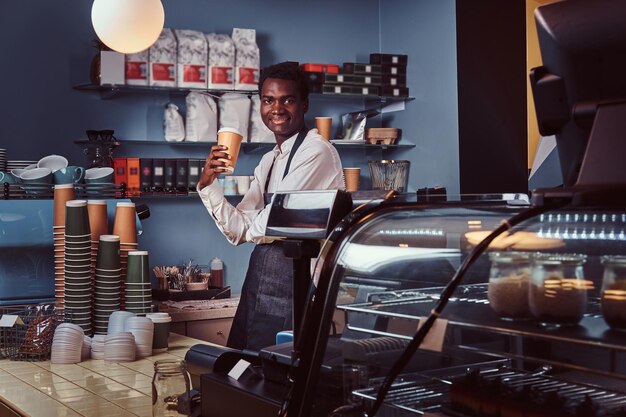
(62, 194)
(124, 224)
(230, 138)
(98, 220)
(351, 176)
(324, 126)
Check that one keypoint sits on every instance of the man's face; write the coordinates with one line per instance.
(282, 109)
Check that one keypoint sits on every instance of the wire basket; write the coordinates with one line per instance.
(32, 340)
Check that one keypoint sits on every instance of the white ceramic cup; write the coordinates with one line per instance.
(36, 174)
(103, 174)
(54, 162)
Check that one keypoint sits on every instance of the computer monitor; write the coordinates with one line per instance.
(583, 48)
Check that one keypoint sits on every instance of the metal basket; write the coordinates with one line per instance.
(32, 340)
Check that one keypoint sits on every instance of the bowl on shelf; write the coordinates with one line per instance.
(196, 286)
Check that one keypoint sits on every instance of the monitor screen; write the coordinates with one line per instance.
(583, 48)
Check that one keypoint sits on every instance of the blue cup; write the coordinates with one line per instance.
(7, 177)
(103, 175)
(41, 180)
(69, 175)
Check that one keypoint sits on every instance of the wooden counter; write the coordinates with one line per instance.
(90, 388)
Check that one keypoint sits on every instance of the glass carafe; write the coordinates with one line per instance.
(509, 279)
(558, 288)
(171, 380)
(614, 291)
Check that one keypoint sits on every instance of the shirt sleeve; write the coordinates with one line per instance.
(233, 222)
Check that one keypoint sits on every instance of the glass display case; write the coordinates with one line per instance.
(536, 323)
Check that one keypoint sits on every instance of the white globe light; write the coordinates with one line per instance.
(127, 26)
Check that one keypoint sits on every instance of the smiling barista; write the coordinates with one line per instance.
(301, 160)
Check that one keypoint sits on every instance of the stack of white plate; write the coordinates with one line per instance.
(21, 165)
(67, 343)
(3, 159)
(117, 321)
(97, 346)
(119, 347)
(86, 351)
(143, 330)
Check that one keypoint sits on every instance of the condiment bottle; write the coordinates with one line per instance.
(217, 273)
(614, 291)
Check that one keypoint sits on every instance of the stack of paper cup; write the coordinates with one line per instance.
(119, 347)
(97, 346)
(99, 225)
(138, 289)
(67, 343)
(62, 194)
(143, 330)
(78, 285)
(125, 227)
(107, 282)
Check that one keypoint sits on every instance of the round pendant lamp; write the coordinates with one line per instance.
(128, 26)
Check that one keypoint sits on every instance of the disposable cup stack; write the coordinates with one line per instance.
(125, 227)
(108, 284)
(62, 194)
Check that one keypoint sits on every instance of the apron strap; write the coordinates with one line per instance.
(294, 148)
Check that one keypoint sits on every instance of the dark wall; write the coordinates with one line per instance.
(491, 67)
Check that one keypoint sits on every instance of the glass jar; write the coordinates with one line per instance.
(558, 289)
(509, 280)
(614, 291)
(170, 380)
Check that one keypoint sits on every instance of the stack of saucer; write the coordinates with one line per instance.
(107, 282)
(11, 165)
(62, 194)
(67, 343)
(138, 291)
(119, 347)
(125, 227)
(143, 330)
(3, 159)
(117, 321)
(78, 286)
(86, 350)
(97, 346)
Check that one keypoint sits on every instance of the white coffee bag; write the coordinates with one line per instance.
(201, 121)
(221, 61)
(163, 60)
(235, 112)
(173, 124)
(247, 59)
(193, 55)
(136, 68)
(258, 131)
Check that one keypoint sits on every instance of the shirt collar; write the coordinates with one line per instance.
(286, 146)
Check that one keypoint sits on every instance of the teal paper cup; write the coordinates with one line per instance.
(137, 270)
(108, 258)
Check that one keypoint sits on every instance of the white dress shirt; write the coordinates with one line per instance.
(315, 166)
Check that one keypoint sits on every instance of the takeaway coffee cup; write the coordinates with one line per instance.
(351, 176)
(69, 175)
(230, 138)
(324, 126)
(161, 331)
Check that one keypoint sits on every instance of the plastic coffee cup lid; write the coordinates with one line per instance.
(159, 317)
(76, 203)
(61, 186)
(125, 204)
(109, 238)
(137, 252)
(229, 129)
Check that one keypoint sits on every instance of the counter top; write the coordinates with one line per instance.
(90, 388)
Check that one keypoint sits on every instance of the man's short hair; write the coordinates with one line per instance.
(286, 71)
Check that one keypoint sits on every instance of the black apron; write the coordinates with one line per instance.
(265, 306)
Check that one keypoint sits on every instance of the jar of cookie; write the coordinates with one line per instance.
(558, 288)
(614, 291)
(509, 279)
